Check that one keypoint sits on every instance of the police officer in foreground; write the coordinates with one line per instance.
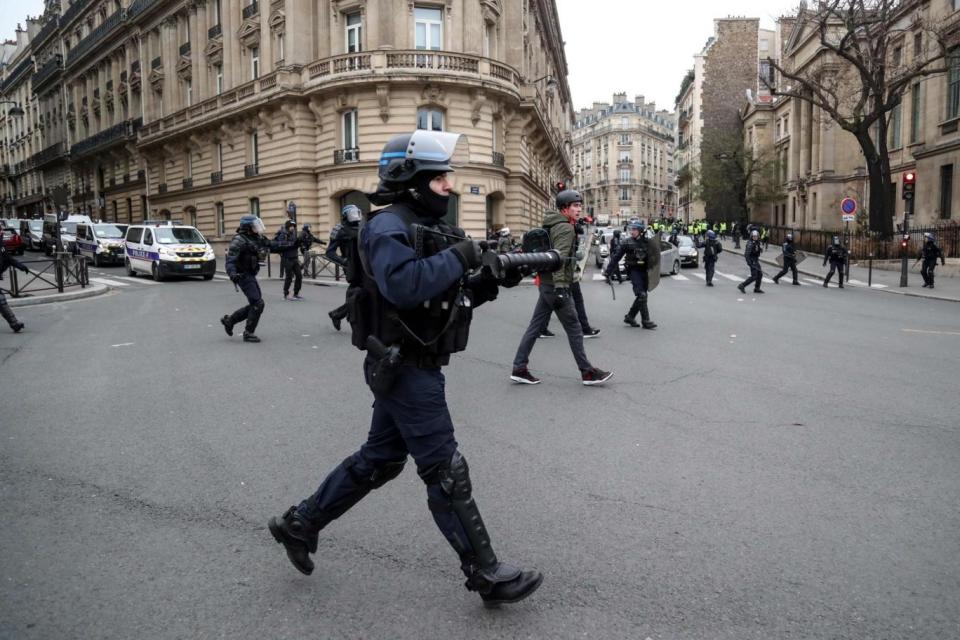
(711, 250)
(7, 261)
(290, 260)
(636, 251)
(343, 238)
(556, 296)
(751, 253)
(504, 241)
(836, 254)
(789, 261)
(242, 265)
(415, 311)
(929, 254)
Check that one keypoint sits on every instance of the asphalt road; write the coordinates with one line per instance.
(770, 466)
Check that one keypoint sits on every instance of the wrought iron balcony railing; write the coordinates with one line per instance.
(345, 156)
(216, 177)
(251, 10)
(498, 159)
(251, 170)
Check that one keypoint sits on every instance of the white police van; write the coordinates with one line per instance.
(167, 248)
(101, 242)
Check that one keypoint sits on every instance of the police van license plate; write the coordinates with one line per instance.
(191, 266)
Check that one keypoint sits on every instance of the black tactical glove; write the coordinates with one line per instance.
(235, 278)
(23, 268)
(469, 253)
(560, 297)
(511, 278)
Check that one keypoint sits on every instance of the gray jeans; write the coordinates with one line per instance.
(541, 316)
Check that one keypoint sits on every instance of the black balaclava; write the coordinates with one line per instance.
(433, 204)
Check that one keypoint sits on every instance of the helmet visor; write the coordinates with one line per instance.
(258, 227)
(439, 147)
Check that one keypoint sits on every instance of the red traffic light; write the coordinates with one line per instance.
(561, 185)
(909, 177)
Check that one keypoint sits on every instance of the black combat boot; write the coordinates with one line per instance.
(336, 320)
(249, 337)
(297, 536)
(630, 318)
(631, 321)
(645, 317)
(503, 585)
(227, 325)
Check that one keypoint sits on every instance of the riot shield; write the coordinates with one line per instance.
(800, 256)
(653, 262)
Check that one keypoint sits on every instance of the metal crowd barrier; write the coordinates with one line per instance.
(58, 272)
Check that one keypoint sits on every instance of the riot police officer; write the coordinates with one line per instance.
(307, 239)
(614, 245)
(836, 254)
(504, 241)
(711, 250)
(929, 254)
(751, 254)
(289, 259)
(417, 301)
(789, 261)
(343, 237)
(636, 251)
(7, 261)
(242, 265)
(556, 295)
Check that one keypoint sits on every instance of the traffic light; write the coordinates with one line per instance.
(909, 184)
(560, 185)
(904, 242)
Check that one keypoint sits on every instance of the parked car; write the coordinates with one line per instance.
(669, 260)
(687, 248)
(31, 232)
(12, 241)
(602, 252)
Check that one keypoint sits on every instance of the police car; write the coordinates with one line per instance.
(100, 242)
(167, 248)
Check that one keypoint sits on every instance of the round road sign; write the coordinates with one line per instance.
(848, 206)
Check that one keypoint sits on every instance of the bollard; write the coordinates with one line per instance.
(14, 288)
(58, 268)
(870, 271)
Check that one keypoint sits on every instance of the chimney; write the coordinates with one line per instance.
(619, 98)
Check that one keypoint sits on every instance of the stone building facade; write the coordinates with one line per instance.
(624, 159)
(820, 164)
(205, 110)
(709, 101)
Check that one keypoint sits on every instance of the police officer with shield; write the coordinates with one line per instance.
(789, 261)
(414, 310)
(836, 254)
(642, 259)
(711, 250)
(246, 250)
(343, 238)
(929, 254)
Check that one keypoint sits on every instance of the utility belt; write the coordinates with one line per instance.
(386, 362)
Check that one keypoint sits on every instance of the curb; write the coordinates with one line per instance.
(87, 292)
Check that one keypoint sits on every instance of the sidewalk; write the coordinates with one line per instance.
(947, 289)
(74, 293)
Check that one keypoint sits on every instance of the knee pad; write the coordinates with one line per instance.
(455, 478)
(259, 305)
(380, 475)
(642, 296)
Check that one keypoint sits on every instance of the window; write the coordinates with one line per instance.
(221, 223)
(193, 217)
(625, 156)
(915, 113)
(147, 236)
(220, 156)
(917, 45)
(953, 84)
(255, 207)
(255, 62)
(188, 92)
(624, 121)
(188, 165)
(428, 28)
(624, 138)
(278, 47)
(350, 136)
(218, 70)
(430, 119)
(624, 194)
(897, 56)
(354, 32)
(946, 191)
(216, 12)
(254, 149)
(624, 175)
(895, 122)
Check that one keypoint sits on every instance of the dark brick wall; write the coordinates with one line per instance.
(730, 68)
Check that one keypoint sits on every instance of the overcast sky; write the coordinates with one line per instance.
(637, 46)
(644, 47)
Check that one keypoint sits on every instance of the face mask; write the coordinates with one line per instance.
(434, 204)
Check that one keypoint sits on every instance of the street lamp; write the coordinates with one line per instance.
(15, 111)
(551, 84)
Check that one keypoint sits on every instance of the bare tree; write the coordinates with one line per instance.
(860, 72)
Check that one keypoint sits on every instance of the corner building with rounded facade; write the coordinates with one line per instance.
(254, 106)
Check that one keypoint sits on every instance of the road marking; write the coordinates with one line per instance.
(109, 283)
(680, 277)
(729, 277)
(137, 280)
(702, 276)
(122, 344)
(820, 282)
(936, 333)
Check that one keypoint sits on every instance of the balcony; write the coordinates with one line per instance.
(162, 188)
(18, 72)
(346, 156)
(48, 29)
(97, 36)
(188, 183)
(50, 154)
(156, 63)
(73, 11)
(141, 174)
(141, 7)
(214, 32)
(251, 10)
(624, 162)
(251, 170)
(498, 159)
(216, 177)
(185, 49)
(46, 73)
(106, 138)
